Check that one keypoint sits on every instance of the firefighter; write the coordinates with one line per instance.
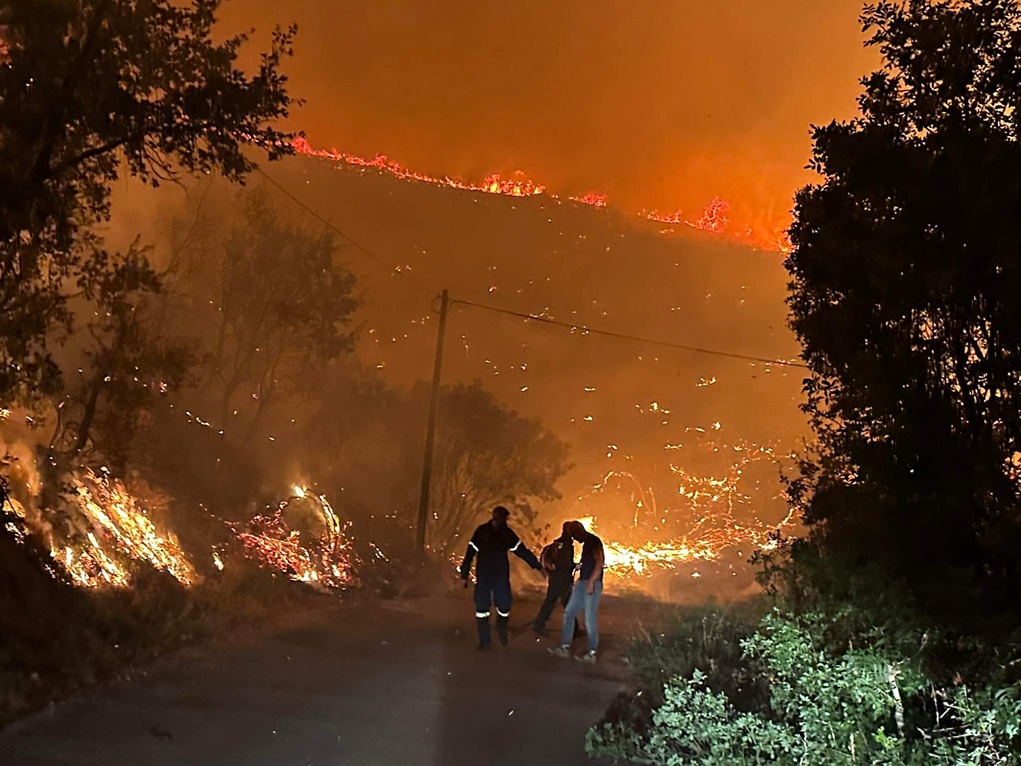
(490, 544)
(557, 559)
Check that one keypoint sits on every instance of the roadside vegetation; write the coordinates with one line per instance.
(891, 632)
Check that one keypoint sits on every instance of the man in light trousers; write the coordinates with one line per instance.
(585, 596)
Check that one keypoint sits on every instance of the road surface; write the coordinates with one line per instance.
(369, 683)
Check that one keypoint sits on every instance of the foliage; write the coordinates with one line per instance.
(90, 89)
(485, 455)
(697, 725)
(128, 364)
(859, 703)
(904, 274)
(707, 639)
(282, 305)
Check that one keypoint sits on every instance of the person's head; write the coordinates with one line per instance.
(565, 531)
(577, 531)
(500, 516)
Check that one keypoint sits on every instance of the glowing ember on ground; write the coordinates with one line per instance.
(713, 220)
(705, 541)
(325, 558)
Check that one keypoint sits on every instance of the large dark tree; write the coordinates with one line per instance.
(906, 277)
(91, 90)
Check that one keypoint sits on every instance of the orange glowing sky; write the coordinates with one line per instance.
(661, 104)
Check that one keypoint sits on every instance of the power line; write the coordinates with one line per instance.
(328, 224)
(529, 317)
(633, 338)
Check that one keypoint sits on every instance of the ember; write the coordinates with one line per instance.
(321, 556)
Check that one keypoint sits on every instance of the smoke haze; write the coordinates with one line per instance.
(660, 104)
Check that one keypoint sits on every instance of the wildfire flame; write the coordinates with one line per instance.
(520, 186)
(711, 500)
(713, 220)
(113, 528)
(327, 559)
(707, 539)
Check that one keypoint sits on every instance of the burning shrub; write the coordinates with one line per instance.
(302, 538)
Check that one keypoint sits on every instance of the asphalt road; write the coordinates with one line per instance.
(372, 683)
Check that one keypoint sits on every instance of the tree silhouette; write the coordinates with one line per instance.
(128, 364)
(485, 455)
(91, 90)
(905, 274)
(282, 305)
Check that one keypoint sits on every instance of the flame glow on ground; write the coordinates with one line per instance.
(710, 509)
(705, 541)
(714, 219)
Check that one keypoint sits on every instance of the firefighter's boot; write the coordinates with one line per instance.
(501, 628)
(482, 623)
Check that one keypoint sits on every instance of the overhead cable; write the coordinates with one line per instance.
(633, 338)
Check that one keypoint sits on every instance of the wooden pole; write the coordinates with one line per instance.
(430, 432)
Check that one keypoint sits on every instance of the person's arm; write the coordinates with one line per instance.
(546, 559)
(597, 571)
(520, 550)
(469, 556)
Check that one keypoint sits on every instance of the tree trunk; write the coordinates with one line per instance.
(89, 414)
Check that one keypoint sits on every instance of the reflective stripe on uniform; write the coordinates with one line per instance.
(482, 615)
(515, 546)
(473, 545)
(503, 614)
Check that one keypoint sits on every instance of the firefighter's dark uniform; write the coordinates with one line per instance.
(492, 575)
(560, 555)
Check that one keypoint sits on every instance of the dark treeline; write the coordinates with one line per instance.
(894, 637)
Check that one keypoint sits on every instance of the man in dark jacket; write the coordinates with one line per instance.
(557, 559)
(490, 544)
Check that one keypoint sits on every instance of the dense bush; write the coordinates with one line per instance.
(865, 702)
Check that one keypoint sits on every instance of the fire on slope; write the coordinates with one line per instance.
(519, 186)
(714, 219)
(109, 528)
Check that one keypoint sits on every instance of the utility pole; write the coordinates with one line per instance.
(430, 432)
